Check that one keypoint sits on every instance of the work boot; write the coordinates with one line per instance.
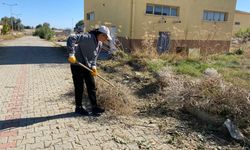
(81, 111)
(97, 110)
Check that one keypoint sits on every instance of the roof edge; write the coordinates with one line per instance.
(242, 12)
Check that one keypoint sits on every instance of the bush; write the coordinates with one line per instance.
(239, 51)
(244, 34)
(44, 32)
(5, 29)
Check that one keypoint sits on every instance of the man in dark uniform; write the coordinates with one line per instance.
(87, 51)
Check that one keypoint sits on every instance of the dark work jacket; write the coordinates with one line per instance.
(87, 50)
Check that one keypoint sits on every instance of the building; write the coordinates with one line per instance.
(241, 21)
(174, 25)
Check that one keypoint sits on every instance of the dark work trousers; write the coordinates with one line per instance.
(80, 75)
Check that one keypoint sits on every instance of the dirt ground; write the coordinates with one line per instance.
(180, 128)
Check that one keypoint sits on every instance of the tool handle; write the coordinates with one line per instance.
(97, 74)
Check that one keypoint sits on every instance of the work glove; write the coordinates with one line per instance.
(72, 59)
(94, 71)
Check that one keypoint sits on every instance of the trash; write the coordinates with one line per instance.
(233, 130)
(211, 72)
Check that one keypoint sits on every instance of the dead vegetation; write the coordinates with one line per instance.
(210, 100)
(218, 98)
(164, 93)
(117, 100)
(11, 36)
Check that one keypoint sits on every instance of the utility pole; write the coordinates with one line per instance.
(10, 5)
(17, 17)
(72, 22)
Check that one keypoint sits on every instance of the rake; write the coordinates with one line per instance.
(97, 74)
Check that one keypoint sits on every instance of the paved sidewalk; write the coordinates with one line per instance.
(37, 106)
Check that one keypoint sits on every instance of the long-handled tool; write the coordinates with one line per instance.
(97, 74)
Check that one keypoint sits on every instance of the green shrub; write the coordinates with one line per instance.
(243, 33)
(44, 32)
(221, 61)
(5, 29)
(239, 51)
(156, 64)
(191, 67)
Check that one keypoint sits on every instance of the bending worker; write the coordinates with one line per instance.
(87, 51)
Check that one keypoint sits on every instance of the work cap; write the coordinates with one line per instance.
(105, 30)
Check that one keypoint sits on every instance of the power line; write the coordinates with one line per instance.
(10, 5)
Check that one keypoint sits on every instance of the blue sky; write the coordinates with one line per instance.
(243, 5)
(60, 13)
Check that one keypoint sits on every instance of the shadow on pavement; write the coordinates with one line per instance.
(23, 122)
(11, 55)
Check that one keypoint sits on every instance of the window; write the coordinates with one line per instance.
(222, 17)
(214, 16)
(173, 11)
(91, 16)
(237, 23)
(166, 11)
(161, 10)
(150, 9)
(158, 10)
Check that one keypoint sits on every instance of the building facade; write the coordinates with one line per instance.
(241, 21)
(175, 25)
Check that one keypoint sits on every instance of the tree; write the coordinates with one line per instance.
(38, 26)
(79, 26)
(27, 27)
(5, 20)
(46, 24)
(13, 23)
(79, 23)
(44, 31)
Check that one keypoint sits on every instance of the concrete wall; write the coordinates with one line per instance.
(109, 12)
(243, 18)
(192, 25)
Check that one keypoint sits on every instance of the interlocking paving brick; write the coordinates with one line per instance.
(8, 145)
(37, 92)
(35, 134)
(66, 146)
(8, 133)
(94, 147)
(3, 140)
(26, 141)
(34, 146)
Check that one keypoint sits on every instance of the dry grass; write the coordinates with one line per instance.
(216, 97)
(247, 51)
(118, 100)
(11, 36)
(171, 84)
(210, 98)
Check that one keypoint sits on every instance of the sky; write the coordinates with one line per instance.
(59, 13)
